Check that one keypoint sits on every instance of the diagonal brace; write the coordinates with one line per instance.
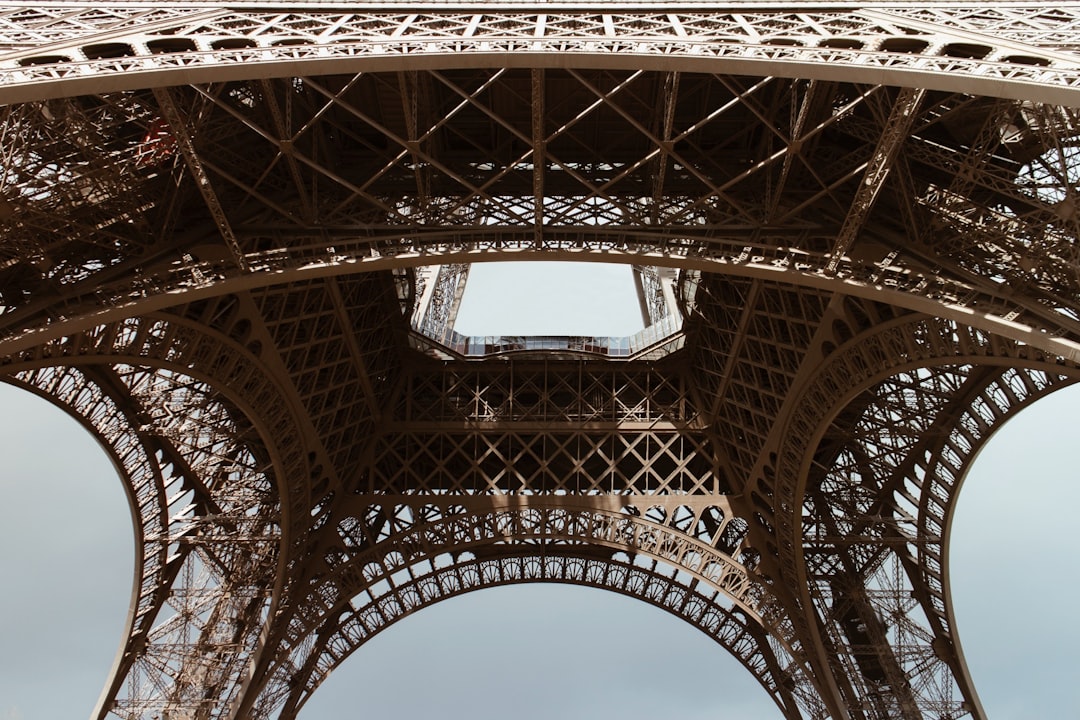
(896, 130)
(202, 180)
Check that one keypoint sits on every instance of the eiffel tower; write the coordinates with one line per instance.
(236, 238)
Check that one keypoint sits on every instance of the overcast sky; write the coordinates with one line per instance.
(533, 651)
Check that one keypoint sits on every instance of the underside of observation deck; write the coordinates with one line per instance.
(233, 239)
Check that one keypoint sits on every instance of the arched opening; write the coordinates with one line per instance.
(66, 559)
(43, 60)
(966, 50)
(541, 651)
(906, 45)
(67, 595)
(171, 45)
(1012, 564)
(107, 51)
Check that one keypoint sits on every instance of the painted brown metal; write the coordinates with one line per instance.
(212, 219)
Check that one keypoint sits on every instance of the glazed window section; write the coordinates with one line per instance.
(565, 307)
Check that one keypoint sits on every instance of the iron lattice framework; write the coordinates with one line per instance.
(220, 225)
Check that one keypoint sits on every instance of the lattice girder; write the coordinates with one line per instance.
(542, 428)
(893, 486)
(884, 517)
(208, 532)
(1024, 53)
(377, 554)
(204, 481)
(743, 639)
(211, 219)
(711, 217)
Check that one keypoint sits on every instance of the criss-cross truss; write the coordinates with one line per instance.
(232, 237)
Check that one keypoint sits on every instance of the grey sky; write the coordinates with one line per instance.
(548, 298)
(532, 651)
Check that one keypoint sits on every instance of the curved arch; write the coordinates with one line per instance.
(738, 635)
(384, 41)
(163, 452)
(910, 290)
(436, 539)
(921, 348)
(906, 455)
(192, 493)
(174, 345)
(362, 558)
(907, 343)
(440, 576)
(617, 531)
(986, 415)
(950, 277)
(545, 649)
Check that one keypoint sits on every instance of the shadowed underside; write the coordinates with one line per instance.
(219, 228)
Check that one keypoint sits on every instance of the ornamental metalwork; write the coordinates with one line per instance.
(235, 238)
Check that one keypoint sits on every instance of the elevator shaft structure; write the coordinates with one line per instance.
(234, 241)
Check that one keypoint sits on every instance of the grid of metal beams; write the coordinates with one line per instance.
(212, 219)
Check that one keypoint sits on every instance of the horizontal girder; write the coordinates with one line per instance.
(212, 218)
(80, 56)
(693, 200)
